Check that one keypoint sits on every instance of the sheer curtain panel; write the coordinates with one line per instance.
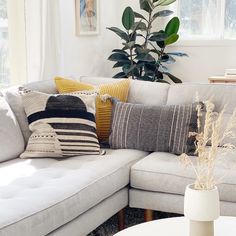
(42, 39)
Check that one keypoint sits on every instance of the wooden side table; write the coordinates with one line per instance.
(222, 80)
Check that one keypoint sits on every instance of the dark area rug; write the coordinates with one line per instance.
(133, 216)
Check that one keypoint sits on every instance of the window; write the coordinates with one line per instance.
(4, 52)
(207, 19)
(230, 19)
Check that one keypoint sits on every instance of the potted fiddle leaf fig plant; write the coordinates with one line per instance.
(143, 55)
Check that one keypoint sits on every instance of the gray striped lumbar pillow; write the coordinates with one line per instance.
(150, 128)
(61, 125)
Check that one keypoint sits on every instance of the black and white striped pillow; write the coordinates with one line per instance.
(154, 128)
(61, 125)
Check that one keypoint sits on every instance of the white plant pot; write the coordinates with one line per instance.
(201, 207)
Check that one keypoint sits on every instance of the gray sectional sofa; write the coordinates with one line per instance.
(75, 195)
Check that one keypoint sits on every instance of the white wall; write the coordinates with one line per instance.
(204, 61)
(88, 55)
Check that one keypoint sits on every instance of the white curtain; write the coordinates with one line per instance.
(210, 17)
(42, 39)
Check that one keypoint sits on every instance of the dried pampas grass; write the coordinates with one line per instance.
(206, 159)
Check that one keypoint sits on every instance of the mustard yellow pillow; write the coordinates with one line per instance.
(117, 90)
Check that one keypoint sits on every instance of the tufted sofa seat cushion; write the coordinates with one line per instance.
(38, 196)
(163, 172)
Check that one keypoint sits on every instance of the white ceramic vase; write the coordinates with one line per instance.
(201, 207)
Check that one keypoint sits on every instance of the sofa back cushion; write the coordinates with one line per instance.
(140, 92)
(11, 139)
(13, 97)
(222, 95)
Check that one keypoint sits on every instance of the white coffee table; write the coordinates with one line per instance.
(178, 226)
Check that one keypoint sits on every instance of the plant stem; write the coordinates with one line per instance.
(132, 62)
(149, 26)
(145, 45)
(131, 55)
(160, 56)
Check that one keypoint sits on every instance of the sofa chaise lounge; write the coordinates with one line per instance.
(75, 195)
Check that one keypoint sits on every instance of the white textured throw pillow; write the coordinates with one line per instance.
(11, 139)
(61, 125)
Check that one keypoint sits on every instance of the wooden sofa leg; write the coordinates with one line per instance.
(148, 215)
(121, 219)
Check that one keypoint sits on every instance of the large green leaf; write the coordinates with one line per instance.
(140, 50)
(118, 57)
(150, 68)
(128, 18)
(160, 44)
(120, 75)
(173, 78)
(158, 37)
(171, 39)
(145, 57)
(138, 15)
(164, 2)
(128, 68)
(120, 33)
(119, 64)
(121, 52)
(146, 5)
(139, 26)
(159, 75)
(164, 58)
(173, 26)
(162, 14)
(145, 78)
(167, 59)
(132, 36)
(171, 60)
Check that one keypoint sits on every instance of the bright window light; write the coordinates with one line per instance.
(207, 19)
